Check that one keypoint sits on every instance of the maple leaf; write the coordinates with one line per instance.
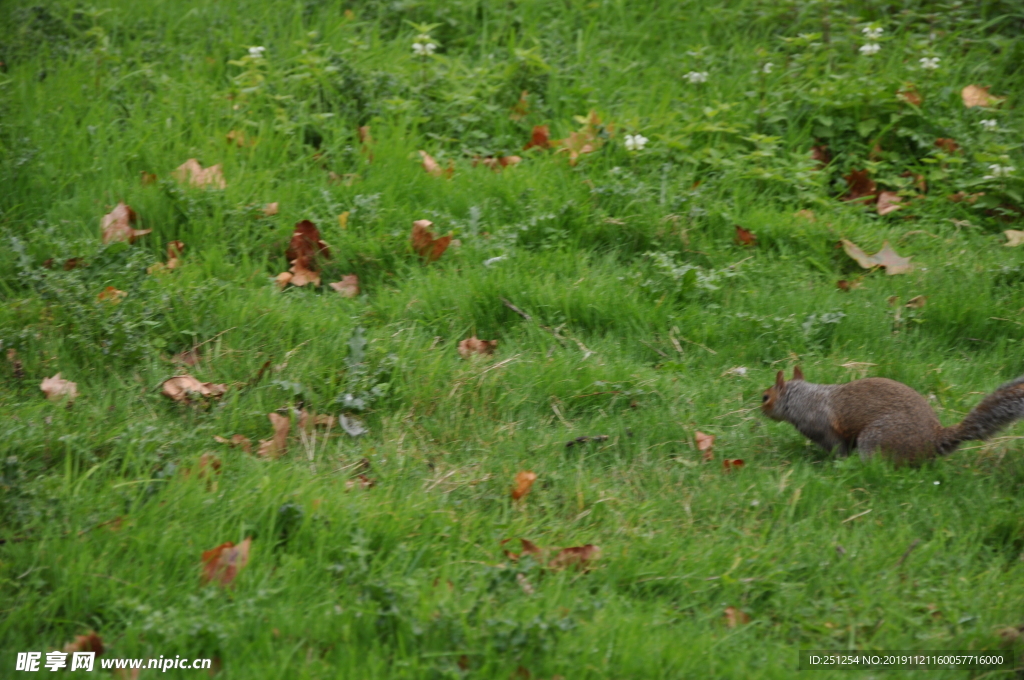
(473, 346)
(886, 257)
(1014, 238)
(522, 107)
(307, 243)
(580, 556)
(184, 388)
(860, 185)
(111, 295)
(278, 445)
(540, 138)
(946, 144)
(302, 274)
(975, 95)
(745, 237)
(524, 480)
(222, 564)
(348, 287)
(283, 279)
(735, 617)
(730, 464)
(888, 201)
(433, 168)
(192, 173)
(117, 225)
(705, 444)
(236, 441)
(577, 144)
(425, 243)
(90, 642)
(56, 388)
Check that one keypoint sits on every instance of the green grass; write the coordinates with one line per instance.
(104, 515)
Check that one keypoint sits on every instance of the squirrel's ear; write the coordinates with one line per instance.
(780, 380)
(798, 374)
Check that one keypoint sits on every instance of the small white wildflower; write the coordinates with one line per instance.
(738, 370)
(990, 124)
(421, 49)
(873, 33)
(936, 483)
(635, 142)
(869, 49)
(999, 171)
(767, 68)
(257, 51)
(754, 503)
(929, 63)
(491, 261)
(697, 77)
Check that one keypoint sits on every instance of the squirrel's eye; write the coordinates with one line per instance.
(764, 398)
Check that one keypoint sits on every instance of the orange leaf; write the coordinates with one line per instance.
(111, 295)
(56, 388)
(728, 465)
(424, 242)
(184, 388)
(278, 445)
(116, 225)
(222, 564)
(90, 642)
(888, 201)
(975, 95)
(306, 242)
(302, 274)
(860, 185)
(348, 287)
(735, 617)
(192, 173)
(886, 257)
(473, 346)
(539, 137)
(524, 480)
(705, 444)
(433, 168)
(744, 237)
(283, 279)
(580, 556)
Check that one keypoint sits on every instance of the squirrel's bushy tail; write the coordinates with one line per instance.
(995, 412)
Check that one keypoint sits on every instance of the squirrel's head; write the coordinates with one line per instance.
(771, 397)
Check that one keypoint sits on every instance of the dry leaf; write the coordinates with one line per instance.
(270, 209)
(16, 366)
(497, 164)
(90, 642)
(236, 441)
(76, 262)
(424, 242)
(301, 274)
(473, 346)
(237, 137)
(278, 445)
(843, 284)
(192, 173)
(111, 295)
(735, 617)
(223, 563)
(745, 237)
(909, 94)
(56, 388)
(524, 480)
(348, 287)
(307, 420)
(343, 220)
(540, 138)
(886, 257)
(184, 388)
(705, 444)
(860, 185)
(116, 225)
(1014, 237)
(975, 95)
(888, 201)
(209, 465)
(946, 144)
(283, 279)
(917, 302)
(433, 168)
(821, 154)
(529, 548)
(806, 214)
(521, 108)
(360, 481)
(581, 556)
(307, 243)
(148, 178)
(730, 464)
(174, 251)
(971, 199)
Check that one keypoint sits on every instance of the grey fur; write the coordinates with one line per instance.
(995, 412)
(805, 406)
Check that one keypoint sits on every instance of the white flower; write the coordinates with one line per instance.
(635, 142)
(491, 261)
(936, 483)
(767, 68)
(873, 33)
(697, 77)
(423, 49)
(869, 49)
(257, 52)
(999, 171)
(929, 63)
(990, 124)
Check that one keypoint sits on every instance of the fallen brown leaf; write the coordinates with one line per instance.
(524, 481)
(946, 144)
(149, 178)
(301, 274)
(116, 225)
(529, 548)
(963, 196)
(433, 168)
(184, 388)
(270, 209)
(888, 202)
(207, 467)
(222, 564)
(283, 279)
(909, 94)
(307, 420)
(75, 262)
(425, 243)
(111, 295)
(473, 346)
(522, 107)
(307, 243)
(497, 163)
(860, 185)
(360, 481)
(730, 464)
(843, 284)
(745, 237)
(886, 257)
(917, 302)
(16, 366)
(705, 444)
(278, 445)
(348, 287)
(90, 642)
(56, 388)
(735, 617)
(1014, 238)
(236, 441)
(238, 138)
(580, 556)
(821, 154)
(192, 173)
(975, 95)
(540, 138)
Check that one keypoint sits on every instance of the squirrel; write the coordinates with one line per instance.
(881, 415)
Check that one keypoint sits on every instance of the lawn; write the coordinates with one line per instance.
(651, 209)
